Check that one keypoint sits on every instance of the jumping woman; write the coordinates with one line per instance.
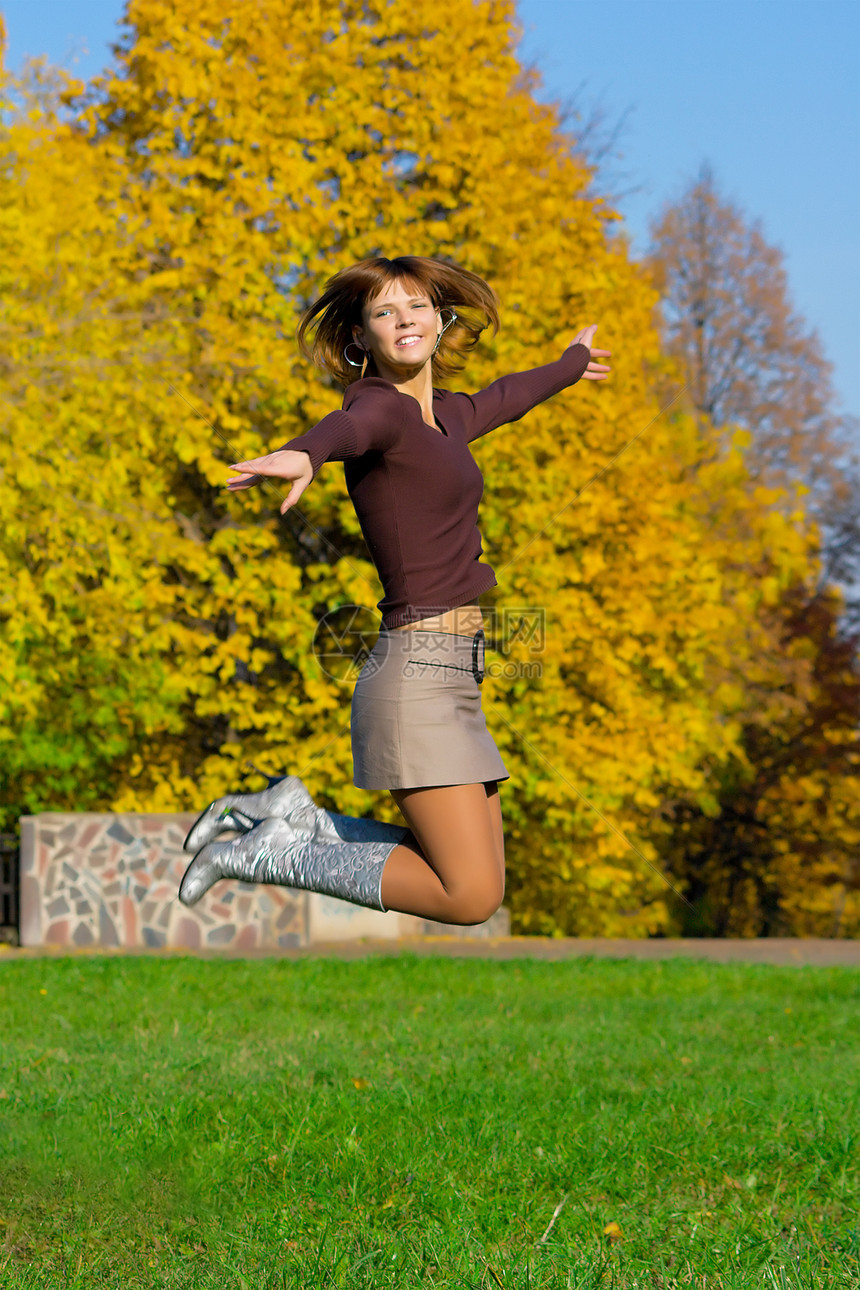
(385, 329)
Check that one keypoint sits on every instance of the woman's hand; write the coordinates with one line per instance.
(286, 463)
(594, 371)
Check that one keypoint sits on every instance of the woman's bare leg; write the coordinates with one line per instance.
(449, 869)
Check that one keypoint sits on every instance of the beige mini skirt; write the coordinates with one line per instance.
(416, 717)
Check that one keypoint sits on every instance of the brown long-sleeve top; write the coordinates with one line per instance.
(416, 489)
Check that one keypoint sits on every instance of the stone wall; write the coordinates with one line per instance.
(112, 880)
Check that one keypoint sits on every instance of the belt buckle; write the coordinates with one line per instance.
(477, 642)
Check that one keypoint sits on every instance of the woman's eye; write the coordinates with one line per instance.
(383, 312)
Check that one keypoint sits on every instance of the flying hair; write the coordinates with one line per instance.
(334, 314)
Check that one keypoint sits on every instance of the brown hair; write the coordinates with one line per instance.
(447, 284)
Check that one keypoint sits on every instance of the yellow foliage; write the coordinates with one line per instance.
(161, 632)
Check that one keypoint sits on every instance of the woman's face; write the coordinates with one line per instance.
(400, 327)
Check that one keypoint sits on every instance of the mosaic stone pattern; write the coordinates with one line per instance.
(111, 880)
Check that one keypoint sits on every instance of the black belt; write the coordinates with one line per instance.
(476, 645)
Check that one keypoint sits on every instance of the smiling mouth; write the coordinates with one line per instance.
(406, 341)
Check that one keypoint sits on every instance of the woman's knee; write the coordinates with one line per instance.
(453, 829)
(477, 902)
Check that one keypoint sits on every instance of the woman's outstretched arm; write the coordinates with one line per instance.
(371, 427)
(511, 397)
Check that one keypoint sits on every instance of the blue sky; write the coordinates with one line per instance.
(768, 91)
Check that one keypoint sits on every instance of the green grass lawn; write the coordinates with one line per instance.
(408, 1121)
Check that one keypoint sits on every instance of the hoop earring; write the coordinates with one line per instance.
(450, 321)
(363, 365)
(360, 350)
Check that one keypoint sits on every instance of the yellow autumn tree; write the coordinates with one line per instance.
(233, 159)
(88, 533)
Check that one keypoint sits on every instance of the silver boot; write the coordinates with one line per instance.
(285, 798)
(275, 851)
